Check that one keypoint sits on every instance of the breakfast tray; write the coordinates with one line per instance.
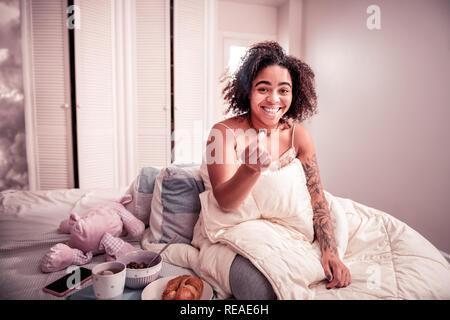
(87, 292)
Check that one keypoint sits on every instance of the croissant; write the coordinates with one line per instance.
(183, 288)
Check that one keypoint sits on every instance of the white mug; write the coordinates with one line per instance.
(109, 286)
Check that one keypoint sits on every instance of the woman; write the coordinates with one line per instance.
(271, 93)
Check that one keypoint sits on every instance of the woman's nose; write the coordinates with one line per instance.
(273, 97)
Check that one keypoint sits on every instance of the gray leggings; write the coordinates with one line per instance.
(247, 282)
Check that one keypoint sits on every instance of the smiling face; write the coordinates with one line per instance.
(271, 96)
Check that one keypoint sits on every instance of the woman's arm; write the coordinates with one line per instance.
(335, 271)
(231, 182)
(323, 228)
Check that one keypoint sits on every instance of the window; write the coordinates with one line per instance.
(235, 55)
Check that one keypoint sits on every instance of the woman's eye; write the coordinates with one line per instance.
(284, 91)
(262, 90)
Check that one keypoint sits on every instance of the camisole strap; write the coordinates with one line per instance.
(227, 128)
(292, 138)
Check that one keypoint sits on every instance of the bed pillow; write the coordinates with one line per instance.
(176, 204)
(142, 191)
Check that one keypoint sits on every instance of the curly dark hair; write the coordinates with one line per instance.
(259, 56)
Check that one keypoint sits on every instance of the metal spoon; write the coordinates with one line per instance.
(164, 248)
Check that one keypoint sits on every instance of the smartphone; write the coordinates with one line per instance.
(69, 282)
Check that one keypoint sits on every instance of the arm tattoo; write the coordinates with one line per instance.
(323, 227)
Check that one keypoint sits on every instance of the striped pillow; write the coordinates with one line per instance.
(176, 204)
(142, 191)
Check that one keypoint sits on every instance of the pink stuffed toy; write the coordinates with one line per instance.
(96, 232)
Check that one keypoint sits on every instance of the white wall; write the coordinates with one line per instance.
(247, 18)
(295, 26)
(290, 26)
(382, 131)
(283, 25)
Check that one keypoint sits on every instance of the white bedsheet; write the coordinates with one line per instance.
(28, 228)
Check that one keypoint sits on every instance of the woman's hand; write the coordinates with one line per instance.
(255, 156)
(338, 275)
(231, 180)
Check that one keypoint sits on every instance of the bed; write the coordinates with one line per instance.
(384, 255)
(28, 228)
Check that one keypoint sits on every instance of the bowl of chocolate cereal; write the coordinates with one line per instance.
(139, 272)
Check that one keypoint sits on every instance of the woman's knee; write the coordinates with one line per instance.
(248, 283)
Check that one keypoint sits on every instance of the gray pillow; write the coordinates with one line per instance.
(141, 190)
(176, 204)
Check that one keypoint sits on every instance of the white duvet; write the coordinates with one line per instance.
(387, 259)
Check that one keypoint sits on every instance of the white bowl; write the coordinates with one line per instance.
(139, 278)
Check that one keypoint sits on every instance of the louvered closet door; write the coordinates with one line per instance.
(190, 79)
(49, 87)
(152, 76)
(95, 94)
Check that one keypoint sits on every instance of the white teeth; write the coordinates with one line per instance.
(271, 110)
